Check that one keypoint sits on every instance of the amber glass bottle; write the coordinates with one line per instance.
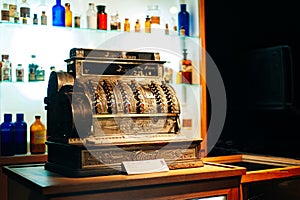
(37, 136)
(68, 15)
(127, 25)
(148, 25)
(137, 26)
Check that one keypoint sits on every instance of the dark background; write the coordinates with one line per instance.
(234, 28)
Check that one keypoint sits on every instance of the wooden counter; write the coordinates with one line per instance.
(14, 160)
(34, 182)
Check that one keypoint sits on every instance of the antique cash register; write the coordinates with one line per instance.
(110, 107)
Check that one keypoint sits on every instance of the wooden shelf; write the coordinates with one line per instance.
(23, 159)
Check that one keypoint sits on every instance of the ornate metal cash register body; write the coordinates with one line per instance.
(110, 107)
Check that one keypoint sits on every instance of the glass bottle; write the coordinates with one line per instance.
(12, 10)
(118, 21)
(137, 27)
(187, 116)
(35, 19)
(179, 76)
(6, 68)
(115, 23)
(101, 17)
(154, 13)
(24, 9)
(58, 14)
(7, 136)
(40, 73)
(147, 25)
(32, 69)
(77, 21)
(127, 25)
(167, 32)
(37, 136)
(16, 17)
(20, 134)
(184, 19)
(69, 17)
(186, 69)
(19, 73)
(91, 16)
(43, 18)
(5, 13)
(24, 19)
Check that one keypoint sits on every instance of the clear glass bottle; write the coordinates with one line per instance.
(40, 73)
(6, 68)
(148, 25)
(37, 136)
(5, 13)
(24, 9)
(58, 14)
(43, 18)
(101, 17)
(118, 21)
(32, 67)
(7, 136)
(184, 20)
(127, 25)
(115, 23)
(187, 116)
(20, 73)
(91, 16)
(16, 18)
(20, 134)
(68, 15)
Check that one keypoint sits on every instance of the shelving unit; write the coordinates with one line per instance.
(52, 45)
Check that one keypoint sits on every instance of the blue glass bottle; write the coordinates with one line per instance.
(7, 136)
(58, 14)
(20, 135)
(184, 20)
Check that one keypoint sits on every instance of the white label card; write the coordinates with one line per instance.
(145, 166)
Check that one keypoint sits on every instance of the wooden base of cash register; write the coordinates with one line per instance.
(82, 161)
